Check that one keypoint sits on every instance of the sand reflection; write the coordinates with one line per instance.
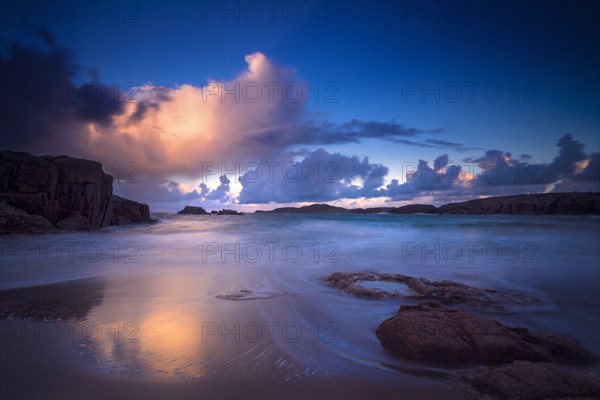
(149, 329)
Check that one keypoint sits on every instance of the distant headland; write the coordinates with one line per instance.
(524, 204)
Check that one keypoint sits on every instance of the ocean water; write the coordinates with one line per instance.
(207, 297)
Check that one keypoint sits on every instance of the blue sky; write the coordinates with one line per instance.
(510, 76)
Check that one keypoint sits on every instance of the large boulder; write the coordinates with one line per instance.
(527, 380)
(430, 332)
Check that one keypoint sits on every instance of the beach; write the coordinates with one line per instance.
(236, 306)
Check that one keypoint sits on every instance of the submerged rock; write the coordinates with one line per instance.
(430, 332)
(243, 294)
(527, 380)
(445, 292)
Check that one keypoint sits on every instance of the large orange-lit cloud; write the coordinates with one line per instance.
(175, 131)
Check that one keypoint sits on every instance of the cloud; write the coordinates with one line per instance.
(319, 176)
(500, 169)
(497, 173)
(436, 144)
(221, 193)
(258, 116)
(428, 180)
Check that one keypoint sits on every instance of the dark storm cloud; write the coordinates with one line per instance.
(41, 102)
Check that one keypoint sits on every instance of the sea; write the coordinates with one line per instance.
(243, 297)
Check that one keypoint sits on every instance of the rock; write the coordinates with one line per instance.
(540, 204)
(445, 292)
(70, 193)
(126, 211)
(226, 212)
(527, 380)
(244, 294)
(14, 220)
(429, 332)
(192, 210)
(54, 187)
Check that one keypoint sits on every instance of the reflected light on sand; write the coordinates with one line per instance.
(159, 337)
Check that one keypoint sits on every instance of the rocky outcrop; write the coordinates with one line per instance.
(226, 212)
(126, 211)
(430, 332)
(70, 193)
(529, 204)
(193, 210)
(446, 292)
(525, 380)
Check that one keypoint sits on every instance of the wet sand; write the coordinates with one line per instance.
(52, 348)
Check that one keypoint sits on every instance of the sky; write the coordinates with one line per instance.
(257, 105)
